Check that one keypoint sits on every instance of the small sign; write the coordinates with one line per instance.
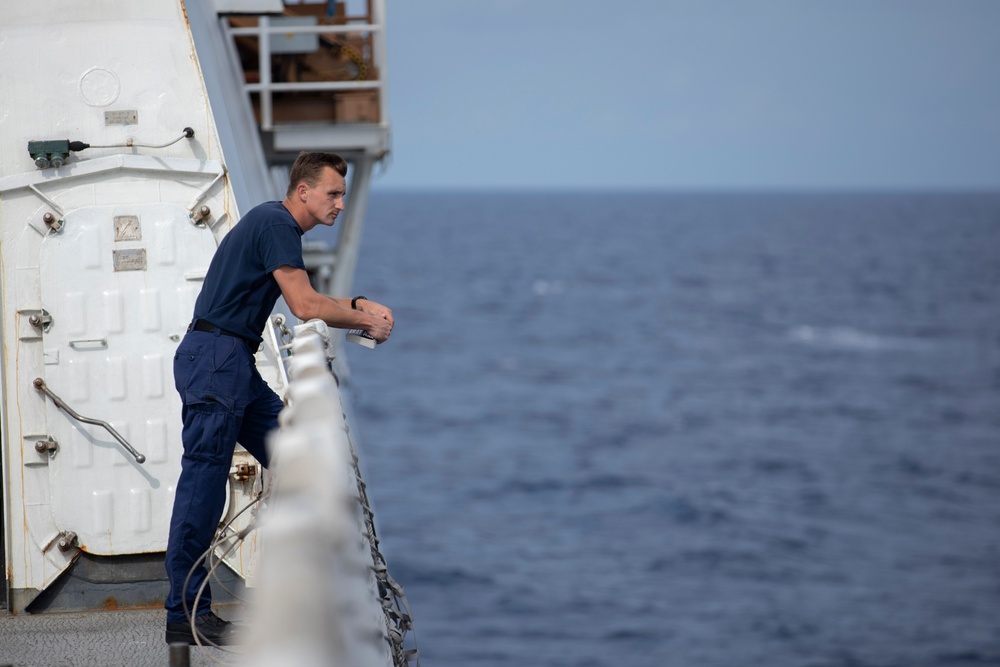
(127, 228)
(124, 117)
(131, 259)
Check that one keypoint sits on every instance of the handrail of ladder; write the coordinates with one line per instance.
(266, 87)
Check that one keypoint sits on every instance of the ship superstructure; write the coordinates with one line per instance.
(132, 135)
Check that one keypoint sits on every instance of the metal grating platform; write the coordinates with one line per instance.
(112, 638)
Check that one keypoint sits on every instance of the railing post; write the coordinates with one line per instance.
(264, 66)
(381, 58)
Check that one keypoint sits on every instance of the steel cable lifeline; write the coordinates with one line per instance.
(398, 617)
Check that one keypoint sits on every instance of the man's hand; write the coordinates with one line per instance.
(376, 309)
(379, 329)
(383, 322)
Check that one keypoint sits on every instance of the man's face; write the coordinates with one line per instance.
(325, 200)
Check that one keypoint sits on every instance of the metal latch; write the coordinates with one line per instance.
(47, 446)
(66, 541)
(40, 320)
(244, 471)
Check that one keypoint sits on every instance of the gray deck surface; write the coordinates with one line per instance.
(133, 638)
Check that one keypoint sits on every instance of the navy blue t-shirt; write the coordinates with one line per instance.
(239, 291)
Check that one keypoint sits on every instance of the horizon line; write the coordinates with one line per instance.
(678, 190)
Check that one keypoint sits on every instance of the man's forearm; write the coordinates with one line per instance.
(342, 316)
(306, 303)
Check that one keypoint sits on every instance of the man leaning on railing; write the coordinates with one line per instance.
(224, 399)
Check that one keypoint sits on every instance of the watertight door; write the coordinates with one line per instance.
(119, 283)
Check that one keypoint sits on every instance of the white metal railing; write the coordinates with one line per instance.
(317, 599)
(266, 87)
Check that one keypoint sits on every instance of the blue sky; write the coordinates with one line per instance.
(704, 94)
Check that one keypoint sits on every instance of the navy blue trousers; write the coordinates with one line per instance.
(224, 400)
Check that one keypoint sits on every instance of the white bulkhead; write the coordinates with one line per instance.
(101, 260)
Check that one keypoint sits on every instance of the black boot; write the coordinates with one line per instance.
(211, 630)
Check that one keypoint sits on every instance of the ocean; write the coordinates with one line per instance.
(687, 430)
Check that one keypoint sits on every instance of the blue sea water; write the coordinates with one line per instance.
(688, 430)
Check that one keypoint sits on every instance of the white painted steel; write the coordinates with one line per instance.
(174, 167)
(351, 230)
(66, 64)
(237, 127)
(115, 505)
(317, 599)
(308, 86)
(291, 40)
(381, 54)
(109, 347)
(291, 29)
(248, 6)
(353, 138)
(264, 68)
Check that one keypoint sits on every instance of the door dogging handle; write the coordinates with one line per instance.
(61, 404)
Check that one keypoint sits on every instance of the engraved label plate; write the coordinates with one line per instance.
(127, 228)
(124, 117)
(132, 259)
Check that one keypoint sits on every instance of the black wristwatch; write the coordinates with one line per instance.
(354, 302)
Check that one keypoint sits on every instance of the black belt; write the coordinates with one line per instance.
(205, 325)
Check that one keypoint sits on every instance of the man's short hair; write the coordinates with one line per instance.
(309, 166)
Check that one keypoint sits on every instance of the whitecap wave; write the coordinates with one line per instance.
(848, 339)
(548, 287)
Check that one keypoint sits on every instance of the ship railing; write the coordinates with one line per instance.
(281, 40)
(323, 593)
